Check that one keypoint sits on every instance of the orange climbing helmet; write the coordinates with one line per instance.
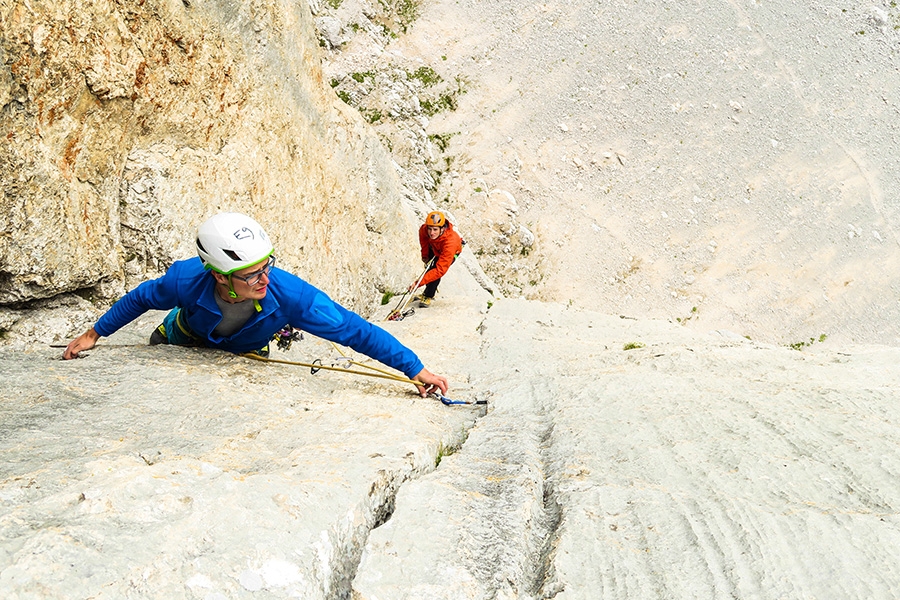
(436, 219)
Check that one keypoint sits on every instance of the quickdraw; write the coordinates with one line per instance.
(343, 362)
(450, 402)
(399, 316)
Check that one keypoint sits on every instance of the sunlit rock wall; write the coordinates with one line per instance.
(123, 125)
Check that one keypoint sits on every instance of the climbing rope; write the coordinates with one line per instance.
(317, 365)
(346, 359)
(398, 314)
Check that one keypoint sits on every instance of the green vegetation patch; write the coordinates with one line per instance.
(441, 103)
(360, 77)
(345, 97)
(442, 452)
(441, 140)
(398, 12)
(801, 345)
(372, 115)
(445, 101)
(426, 75)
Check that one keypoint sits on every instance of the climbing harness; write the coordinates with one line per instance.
(286, 336)
(398, 314)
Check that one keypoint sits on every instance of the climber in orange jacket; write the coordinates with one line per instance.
(439, 241)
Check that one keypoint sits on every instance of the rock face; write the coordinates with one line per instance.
(616, 458)
(637, 459)
(163, 472)
(127, 124)
(735, 167)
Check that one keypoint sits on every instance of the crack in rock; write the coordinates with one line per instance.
(379, 508)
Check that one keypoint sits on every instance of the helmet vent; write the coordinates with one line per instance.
(435, 219)
(228, 242)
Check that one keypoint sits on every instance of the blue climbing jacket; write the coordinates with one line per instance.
(289, 301)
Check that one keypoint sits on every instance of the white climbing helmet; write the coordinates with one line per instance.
(229, 242)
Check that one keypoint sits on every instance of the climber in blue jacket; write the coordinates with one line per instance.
(232, 297)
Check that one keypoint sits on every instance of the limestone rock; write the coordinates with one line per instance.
(128, 125)
(329, 30)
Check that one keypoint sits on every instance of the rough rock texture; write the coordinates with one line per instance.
(636, 459)
(161, 472)
(617, 458)
(397, 92)
(125, 124)
(733, 164)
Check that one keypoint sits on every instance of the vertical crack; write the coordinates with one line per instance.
(542, 583)
(545, 585)
(379, 505)
(378, 508)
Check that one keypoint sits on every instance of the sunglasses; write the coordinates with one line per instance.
(255, 277)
